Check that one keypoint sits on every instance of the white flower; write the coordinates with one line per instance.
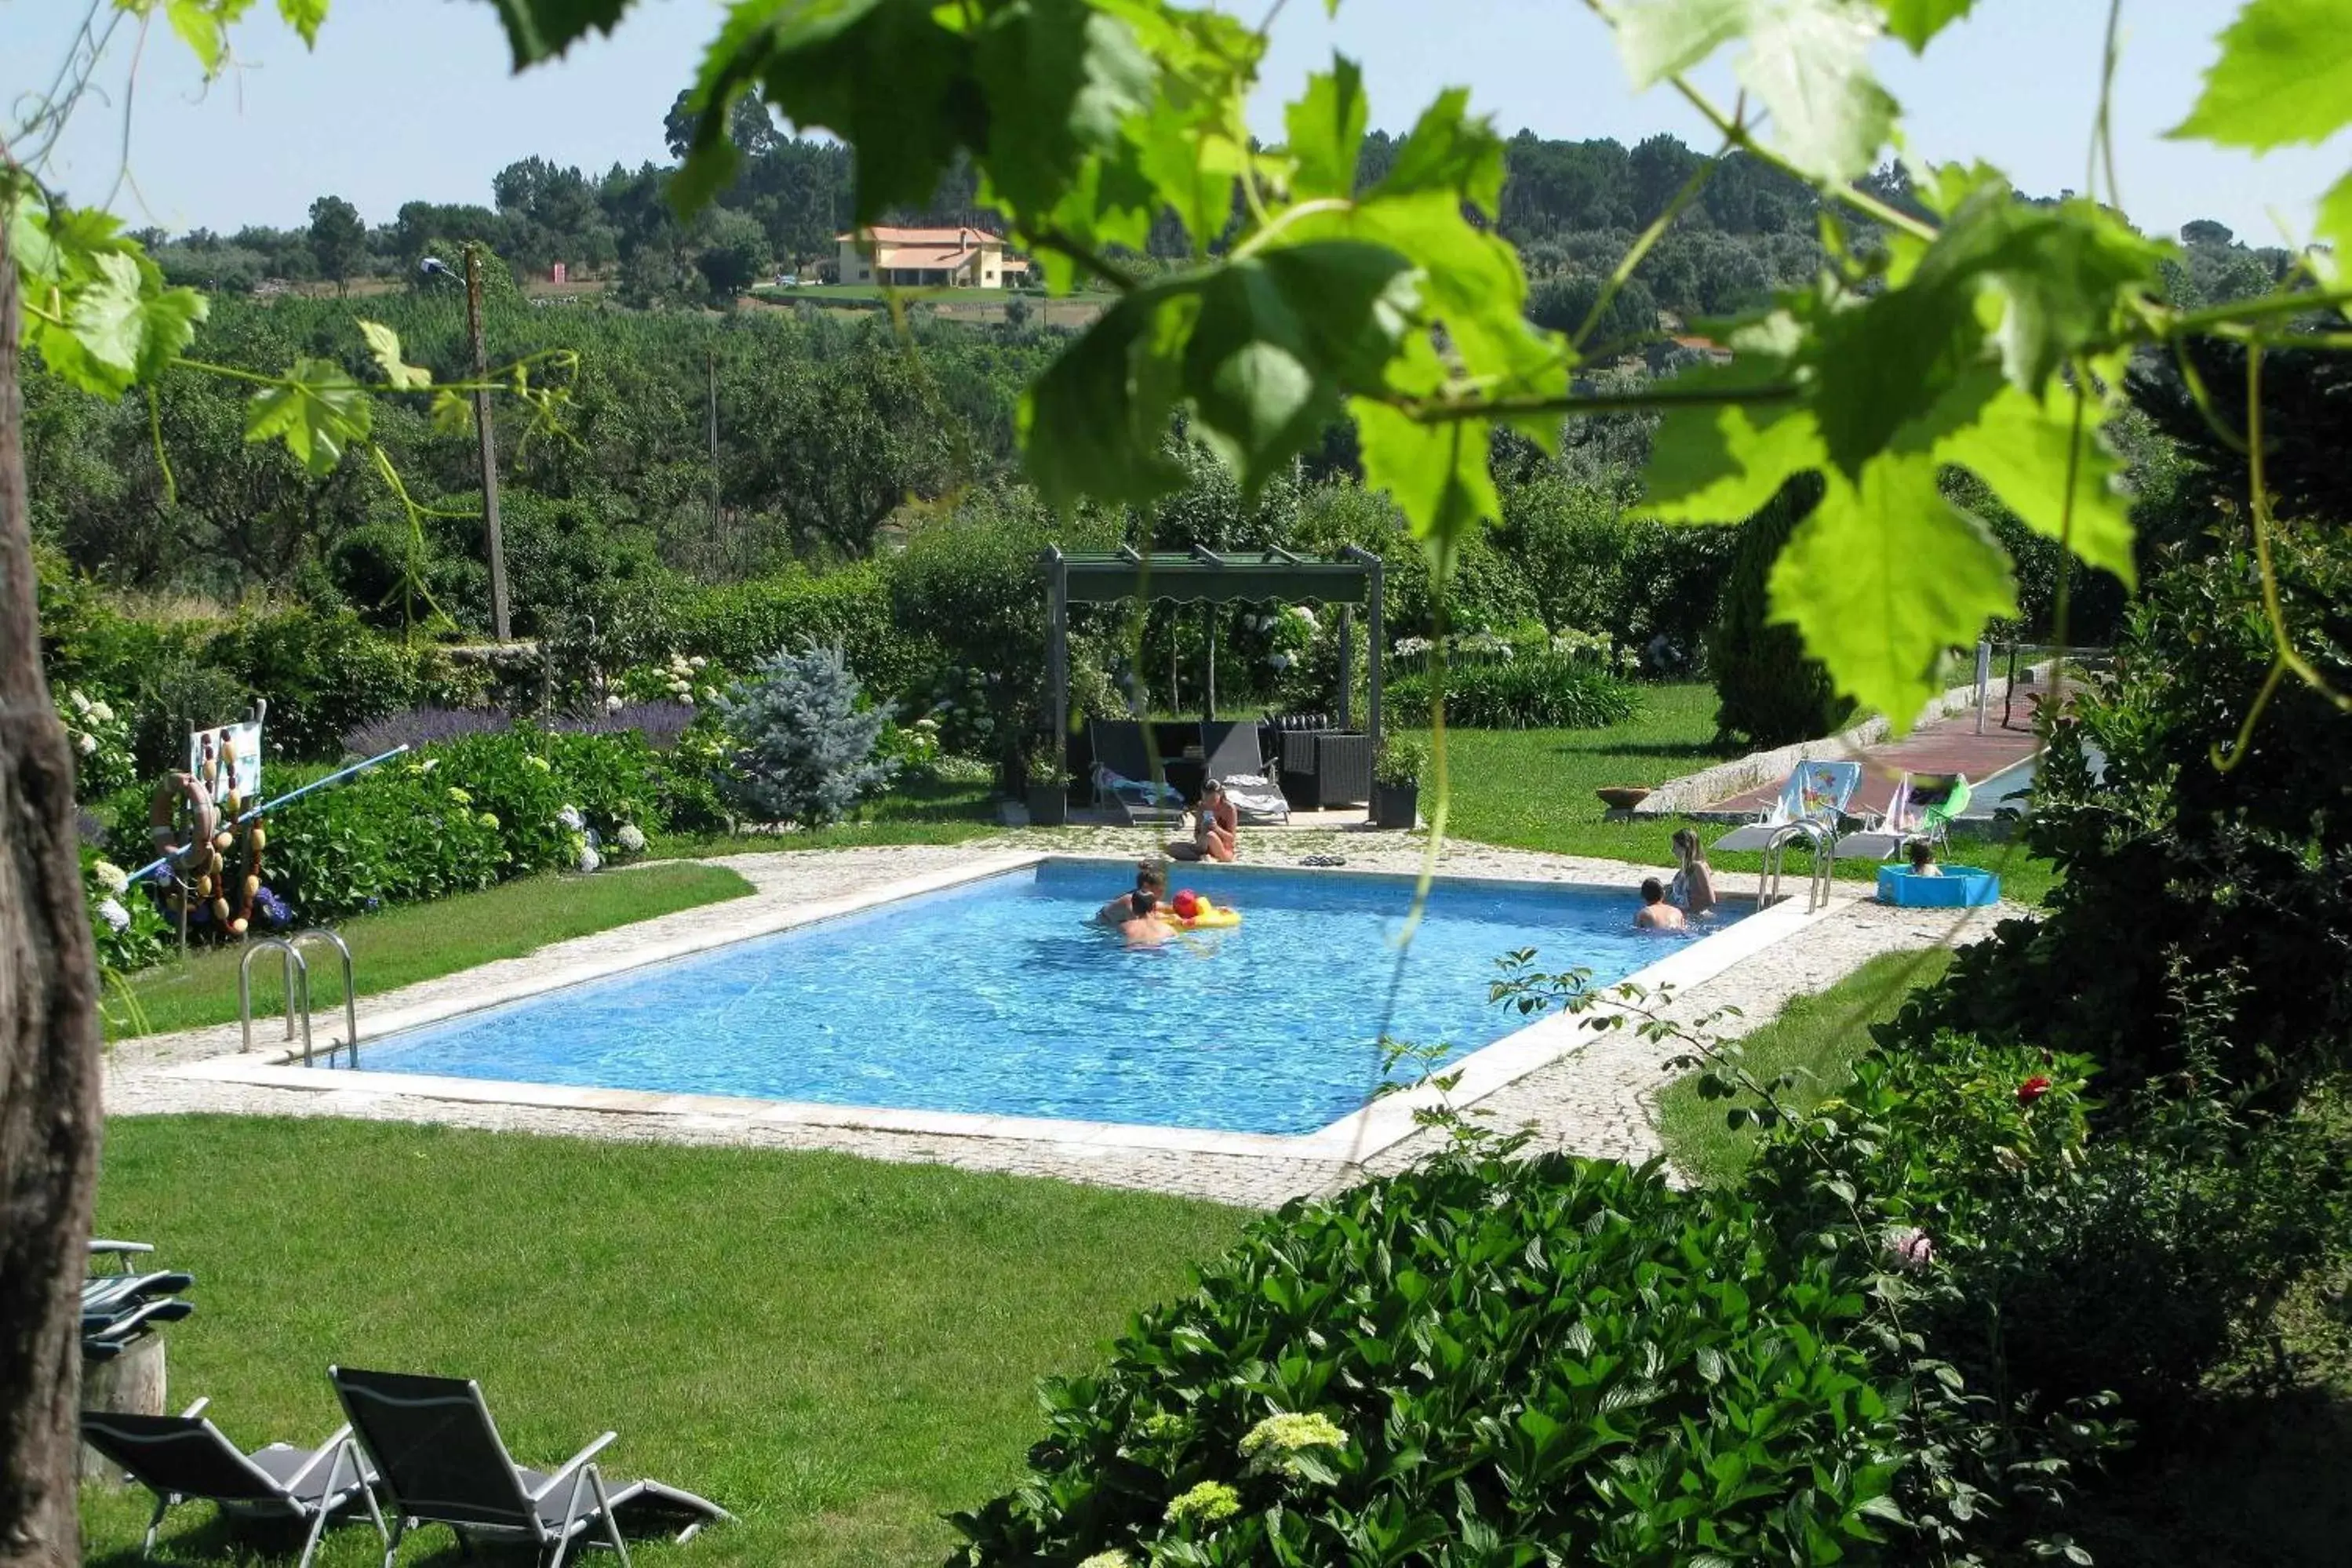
(709, 694)
(1279, 661)
(697, 663)
(1303, 614)
(927, 723)
(569, 817)
(110, 876)
(100, 714)
(87, 741)
(80, 703)
(589, 859)
(687, 698)
(114, 915)
(631, 838)
(613, 703)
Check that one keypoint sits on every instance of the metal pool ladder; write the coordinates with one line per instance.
(296, 972)
(1822, 839)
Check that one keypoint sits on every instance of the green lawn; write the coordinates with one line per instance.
(399, 946)
(1816, 1037)
(836, 1350)
(1533, 788)
(925, 812)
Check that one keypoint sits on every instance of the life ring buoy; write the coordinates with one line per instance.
(195, 852)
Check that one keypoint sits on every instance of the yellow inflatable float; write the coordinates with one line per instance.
(1190, 911)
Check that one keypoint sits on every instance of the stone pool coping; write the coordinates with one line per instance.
(1378, 1126)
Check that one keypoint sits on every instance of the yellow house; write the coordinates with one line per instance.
(927, 259)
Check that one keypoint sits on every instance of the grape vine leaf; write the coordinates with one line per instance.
(384, 346)
(1918, 21)
(1062, 79)
(1807, 62)
(2335, 227)
(1883, 577)
(541, 29)
(317, 411)
(1325, 132)
(2285, 75)
(1262, 348)
(1450, 150)
(126, 321)
(1436, 472)
(202, 25)
(305, 17)
(2024, 447)
(1720, 462)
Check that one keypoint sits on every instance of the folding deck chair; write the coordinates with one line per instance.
(184, 1458)
(1923, 807)
(1233, 756)
(1815, 791)
(440, 1461)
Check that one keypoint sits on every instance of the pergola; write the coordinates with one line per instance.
(1203, 576)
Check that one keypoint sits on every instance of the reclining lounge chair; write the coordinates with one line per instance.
(441, 1462)
(1923, 807)
(1123, 773)
(1233, 756)
(184, 1458)
(1815, 791)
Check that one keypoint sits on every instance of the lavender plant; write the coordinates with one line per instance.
(804, 750)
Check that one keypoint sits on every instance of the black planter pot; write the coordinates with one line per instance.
(1049, 806)
(1396, 805)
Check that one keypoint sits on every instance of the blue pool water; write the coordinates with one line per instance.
(995, 997)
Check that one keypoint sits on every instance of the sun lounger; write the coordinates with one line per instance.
(441, 1462)
(1231, 749)
(1123, 773)
(1815, 791)
(184, 1458)
(1923, 807)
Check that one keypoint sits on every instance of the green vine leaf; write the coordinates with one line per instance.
(1807, 62)
(1918, 21)
(1326, 130)
(1883, 577)
(305, 17)
(202, 25)
(1436, 474)
(1080, 74)
(538, 30)
(2335, 227)
(2285, 75)
(317, 412)
(128, 322)
(2022, 447)
(384, 346)
(1721, 463)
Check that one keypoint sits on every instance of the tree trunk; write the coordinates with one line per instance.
(49, 1107)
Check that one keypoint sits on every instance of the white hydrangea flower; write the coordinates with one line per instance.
(570, 818)
(697, 663)
(631, 838)
(80, 703)
(116, 918)
(589, 859)
(87, 741)
(688, 698)
(100, 714)
(613, 703)
(110, 876)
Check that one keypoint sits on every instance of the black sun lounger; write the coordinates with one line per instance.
(441, 1462)
(184, 1458)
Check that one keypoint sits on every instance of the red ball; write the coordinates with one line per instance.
(1187, 903)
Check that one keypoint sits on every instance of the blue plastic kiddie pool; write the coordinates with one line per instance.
(1958, 887)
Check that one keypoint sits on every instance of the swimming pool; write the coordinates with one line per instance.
(994, 998)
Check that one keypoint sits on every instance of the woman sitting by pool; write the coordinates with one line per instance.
(1214, 825)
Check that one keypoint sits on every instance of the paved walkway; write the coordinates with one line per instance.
(1946, 745)
(1595, 1101)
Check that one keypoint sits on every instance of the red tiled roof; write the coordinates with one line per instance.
(958, 238)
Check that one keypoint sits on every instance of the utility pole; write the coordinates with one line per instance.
(488, 444)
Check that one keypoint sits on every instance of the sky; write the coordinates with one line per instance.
(410, 100)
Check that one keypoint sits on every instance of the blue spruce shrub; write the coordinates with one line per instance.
(804, 749)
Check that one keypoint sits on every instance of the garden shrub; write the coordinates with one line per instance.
(100, 737)
(324, 673)
(1536, 691)
(1482, 1360)
(1593, 568)
(803, 749)
(422, 726)
(738, 624)
(1770, 692)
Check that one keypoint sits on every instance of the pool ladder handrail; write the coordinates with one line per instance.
(297, 986)
(1822, 839)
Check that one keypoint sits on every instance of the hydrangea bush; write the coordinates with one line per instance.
(101, 738)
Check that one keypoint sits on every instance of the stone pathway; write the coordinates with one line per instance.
(1594, 1101)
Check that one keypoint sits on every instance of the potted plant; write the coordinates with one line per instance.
(1396, 783)
(1047, 778)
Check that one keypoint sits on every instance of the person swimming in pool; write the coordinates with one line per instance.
(1143, 927)
(1151, 879)
(1657, 914)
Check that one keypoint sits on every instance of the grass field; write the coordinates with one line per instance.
(414, 942)
(1533, 788)
(1815, 1037)
(836, 1350)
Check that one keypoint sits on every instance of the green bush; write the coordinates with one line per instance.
(324, 673)
(1592, 567)
(1480, 1361)
(1534, 691)
(738, 625)
(1770, 693)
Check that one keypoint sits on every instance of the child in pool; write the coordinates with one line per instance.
(1694, 886)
